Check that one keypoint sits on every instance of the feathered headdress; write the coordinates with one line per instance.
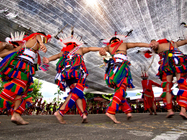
(121, 37)
(21, 37)
(144, 73)
(68, 43)
(15, 38)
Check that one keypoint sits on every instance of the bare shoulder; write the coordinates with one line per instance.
(84, 49)
(80, 50)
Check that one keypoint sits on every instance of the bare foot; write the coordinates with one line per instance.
(170, 114)
(112, 117)
(129, 116)
(17, 119)
(59, 117)
(84, 119)
(183, 115)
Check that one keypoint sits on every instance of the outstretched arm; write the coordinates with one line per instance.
(156, 84)
(5, 45)
(94, 49)
(9, 52)
(133, 45)
(52, 58)
(181, 43)
(103, 51)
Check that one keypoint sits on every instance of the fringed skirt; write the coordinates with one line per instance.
(17, 74)
(118, 72)
(70, 70)
(172, 62)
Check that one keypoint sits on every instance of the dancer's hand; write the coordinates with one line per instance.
(102, 52)
(43, 48)
(154, 44)
(45, 60)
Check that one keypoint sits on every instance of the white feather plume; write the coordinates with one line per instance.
(17, 36)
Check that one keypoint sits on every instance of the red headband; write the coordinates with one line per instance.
(34, 34)
(69, 47)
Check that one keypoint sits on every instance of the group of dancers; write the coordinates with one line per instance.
(17, 70)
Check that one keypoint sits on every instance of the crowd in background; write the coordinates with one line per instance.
(39, 108)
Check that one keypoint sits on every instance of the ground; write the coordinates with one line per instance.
(100, 127)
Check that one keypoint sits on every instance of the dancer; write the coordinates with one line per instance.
(38, 107)
(72, 73)
(148, 94)
(172, 63)
(118, 74)
(17, 70)
(48, 109)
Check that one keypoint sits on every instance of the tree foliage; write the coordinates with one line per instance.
(36, 89)
(138, 94)
(58, 93)
(88, 95)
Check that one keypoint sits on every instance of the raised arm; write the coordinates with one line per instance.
(133, 45)
(52, 58)
(181, 43)
(40, 41)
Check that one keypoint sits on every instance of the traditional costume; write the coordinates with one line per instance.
(17, 71)
(172, 61)
(71, 69)
(148, 94)
(118, 76)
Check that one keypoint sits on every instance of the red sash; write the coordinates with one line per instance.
(116, 47)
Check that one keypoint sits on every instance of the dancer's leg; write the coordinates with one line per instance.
(182, 94)
(154, 108)
(16, 116)
(79, 103)
(15, 97)
(114, 104)
(57, 113)
(151, 113)
(183, 113)
(169, 96)
(76, 93)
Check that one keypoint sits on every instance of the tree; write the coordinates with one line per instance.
(58, 93)
(54, 99)
(137, 94)
(88, 95)
(36, 89)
